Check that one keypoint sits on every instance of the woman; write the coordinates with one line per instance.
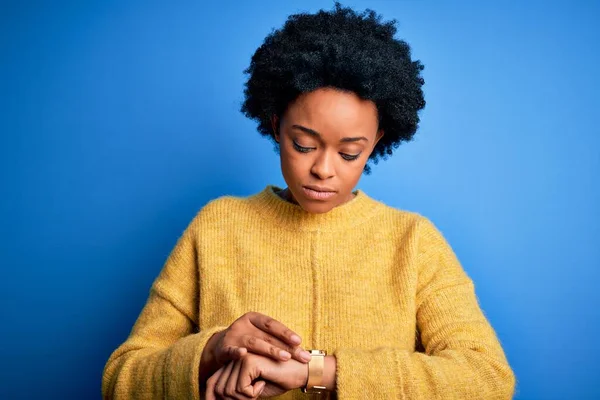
(376, 294)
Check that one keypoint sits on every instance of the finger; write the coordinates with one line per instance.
(297, 352)
(229, 353)
(275, 328)
(231, 386)
(210, 385)
(220, 386)
(258, 388)
(248, 373)
(261, 347)
(255, 390)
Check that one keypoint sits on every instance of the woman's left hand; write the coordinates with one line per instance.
(253, 376)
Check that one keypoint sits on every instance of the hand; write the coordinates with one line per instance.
(259, 334)
(271, 378)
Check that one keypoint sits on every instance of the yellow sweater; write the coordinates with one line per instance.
(378, 288)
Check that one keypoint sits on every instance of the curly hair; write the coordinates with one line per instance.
(341, 49)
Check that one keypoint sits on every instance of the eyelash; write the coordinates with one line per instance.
(302, 149)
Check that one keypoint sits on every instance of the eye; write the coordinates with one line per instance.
(302, 149)
(349, 157)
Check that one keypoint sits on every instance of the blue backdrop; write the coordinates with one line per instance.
(119, 120)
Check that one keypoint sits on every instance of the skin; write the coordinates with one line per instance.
(325, 139)
(319, 137)
(251, 333)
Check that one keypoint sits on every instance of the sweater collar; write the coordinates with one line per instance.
(293, 217)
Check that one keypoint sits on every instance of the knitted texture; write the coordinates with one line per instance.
(379, 288)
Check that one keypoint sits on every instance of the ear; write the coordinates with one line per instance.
(378, 136)
(275, 127)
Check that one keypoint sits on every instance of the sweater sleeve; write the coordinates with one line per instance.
(161, 356)
(463, 358)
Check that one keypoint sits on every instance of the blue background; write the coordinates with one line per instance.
(118, 121)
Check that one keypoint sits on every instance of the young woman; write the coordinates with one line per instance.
(376, 294)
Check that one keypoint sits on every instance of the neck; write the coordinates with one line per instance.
(286, 195)
(274, 205)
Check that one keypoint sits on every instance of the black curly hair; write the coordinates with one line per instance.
(341, 49)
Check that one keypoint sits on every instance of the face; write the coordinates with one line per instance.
(325, 139)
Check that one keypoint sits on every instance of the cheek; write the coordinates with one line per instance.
(351, 171)
(352, 178)
(292, 163)
(350, 175)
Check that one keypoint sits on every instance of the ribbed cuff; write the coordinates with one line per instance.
(182, 367)
(362, 374)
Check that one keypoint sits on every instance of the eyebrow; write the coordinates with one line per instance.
(318, 135)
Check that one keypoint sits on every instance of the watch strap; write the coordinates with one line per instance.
(316, 369)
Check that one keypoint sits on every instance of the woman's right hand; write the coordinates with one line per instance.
(255, 333)
(259, 334)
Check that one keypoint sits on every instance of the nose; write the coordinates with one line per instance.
(323, 167)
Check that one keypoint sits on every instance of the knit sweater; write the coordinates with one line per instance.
(378, 288)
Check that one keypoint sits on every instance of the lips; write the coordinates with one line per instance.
(319, 188)
(318, 192)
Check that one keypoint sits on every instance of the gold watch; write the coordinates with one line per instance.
(316, 367)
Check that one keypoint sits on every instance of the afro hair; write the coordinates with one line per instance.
(341, 49)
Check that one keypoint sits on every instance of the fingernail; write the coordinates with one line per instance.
(305, 355)
(296, 339)
(284, 354)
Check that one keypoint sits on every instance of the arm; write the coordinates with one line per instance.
(463, 358)
(166, 357)
(161, 356)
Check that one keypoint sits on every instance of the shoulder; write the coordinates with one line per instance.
(408, 222)
(222, 211)
(398, 215)
(418, 230)
(222, 205)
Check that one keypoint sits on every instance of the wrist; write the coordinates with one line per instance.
(208, 360)
(302, 375)
(329, 380)
(211, 346)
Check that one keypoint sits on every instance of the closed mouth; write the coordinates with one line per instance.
(320, 189)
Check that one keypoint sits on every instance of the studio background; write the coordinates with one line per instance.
(120, 120)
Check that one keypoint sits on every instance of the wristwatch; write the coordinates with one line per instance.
(316, 367)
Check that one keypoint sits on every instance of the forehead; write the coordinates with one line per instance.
(332, 111)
